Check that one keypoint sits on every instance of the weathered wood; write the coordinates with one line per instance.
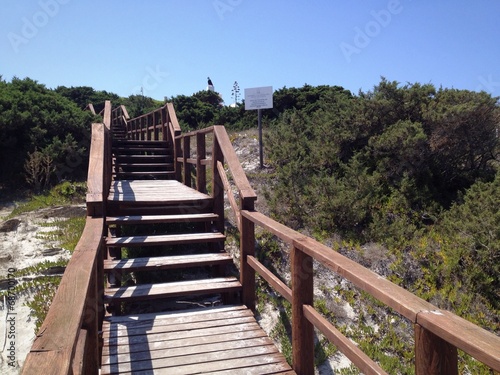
(167, 262)
(302, 330)
(155, 192)
(186, 150)
(185, 350)
(247, 273)
(165, 342)
(240, 179)
(273, 280)
(227, 341)
(433, 355)
(217, 185)
(165, 239)
(201, 170)
(229, 193)
(195, 315)
(59, 333)
(346, 346)
(182, 335)
(154, 219)
(95, 181)
(472, 339)
(392, 295)
(107, 114)
(78, 362)
(165, 329)
(174, 289)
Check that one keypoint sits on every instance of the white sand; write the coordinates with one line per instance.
(21, 247)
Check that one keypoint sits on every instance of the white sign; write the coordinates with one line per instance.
(259, 98)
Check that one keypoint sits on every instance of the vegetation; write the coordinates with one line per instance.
(36, 281)
(404, 173)
(44, 135)
(413, 169)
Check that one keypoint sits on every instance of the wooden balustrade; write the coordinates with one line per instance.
(158, 125)
(438, 332)
(68, 340)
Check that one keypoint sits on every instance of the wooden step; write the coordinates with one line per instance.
(156, 219)
(145, 165)
(175, 289)
(166, 239)
(144, 173)
(144, 158)
(140, 142)
(122, 150)
(168, 262)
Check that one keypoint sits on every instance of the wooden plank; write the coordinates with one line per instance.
(385, 291)
(167, 262)
(166, 239)
(165, 329)
(187, 350)
(247, 273)
(346, 346)
(182, 335)
(183, 342)
(175, 289)
(472, 339)
(173, 319)
(156, 219)
(144, 165)
(95, 181)
(61, 328)
(433, 355)
(273, 280)
(139, 148)
(173, 314)
(143, 173)
(229, 194)
(239, 176)
(280, 368)
(301, 267)
(220, 360)
(107, 114)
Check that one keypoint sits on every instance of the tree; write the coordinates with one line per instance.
(33, 117)
(461, 126)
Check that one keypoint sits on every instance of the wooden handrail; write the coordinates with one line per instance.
(70, 329)
(448, 329)
(68, 340)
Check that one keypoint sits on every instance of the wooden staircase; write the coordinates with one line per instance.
(166, 233)
(140, 159)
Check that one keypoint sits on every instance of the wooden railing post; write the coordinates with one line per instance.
(433, 355)
(247, 248)
(217, 184)
(186, 151)
(302, 329)
(163, 123)
(201, 170)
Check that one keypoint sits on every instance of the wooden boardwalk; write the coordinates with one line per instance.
(180, 224)
(150, 288)
(220, 340)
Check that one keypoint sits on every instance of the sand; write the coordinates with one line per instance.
(23, 244)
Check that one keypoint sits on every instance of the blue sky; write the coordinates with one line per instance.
(169, 47)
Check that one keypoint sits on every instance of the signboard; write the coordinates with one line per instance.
(259, 98)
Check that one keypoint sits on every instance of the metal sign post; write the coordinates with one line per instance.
(259, 98)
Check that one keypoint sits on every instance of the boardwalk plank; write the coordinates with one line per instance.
(174, 289)
(167, 262)
(183, 342)
(165, 239)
